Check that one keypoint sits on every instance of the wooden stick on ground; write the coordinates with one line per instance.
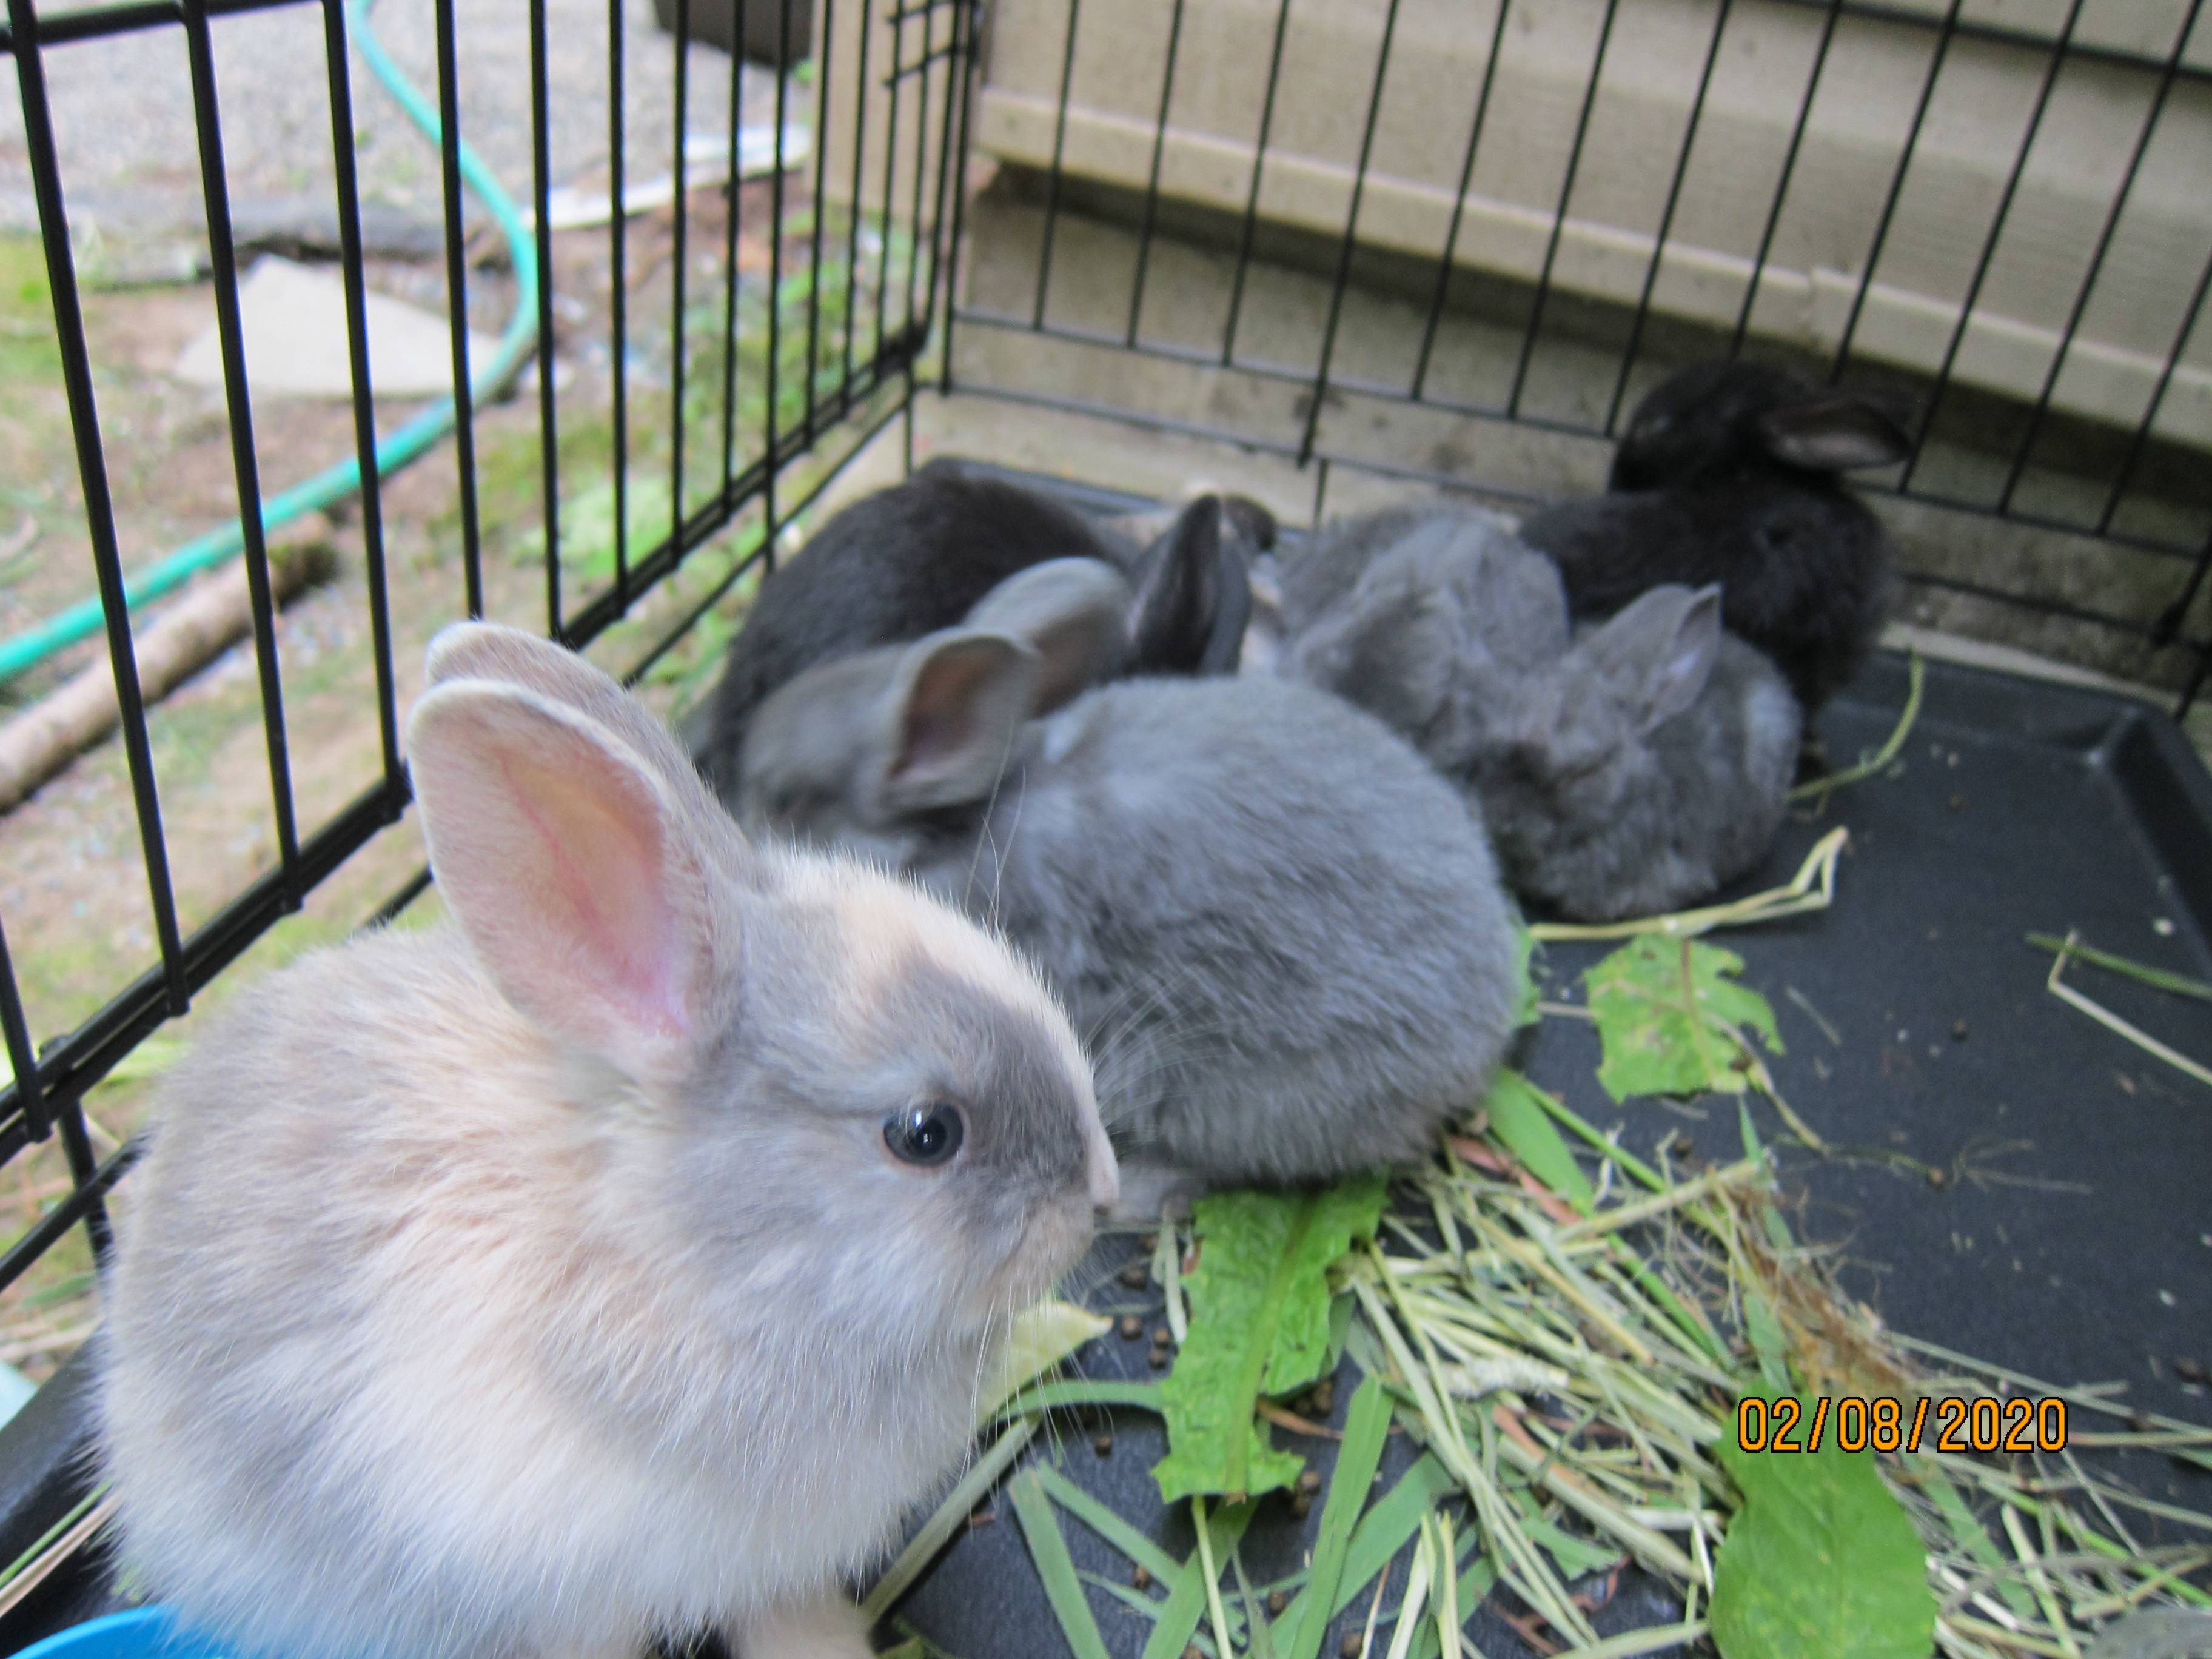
(46, 737)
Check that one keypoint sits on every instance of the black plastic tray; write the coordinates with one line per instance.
(2070, 1238)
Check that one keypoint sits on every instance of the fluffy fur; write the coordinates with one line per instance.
(1281, 931)
(1728, 473)
(543, 1284)
(916, 557)
(1630, 768)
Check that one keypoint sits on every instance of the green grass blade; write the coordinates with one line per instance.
(1261, 1643)
(950, 1516)
(1820, 789)
(1049, 1549)
(1299, 1632)
(1393, 1519)
(1515, 1107)
(1127, 1594)
(1588, 1131)
(1082, 1391)
(2179, 984)
(1474, 1584)
(1112, 1528)
(1186, 1606)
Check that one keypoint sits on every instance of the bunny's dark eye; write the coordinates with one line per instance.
(927, 1135)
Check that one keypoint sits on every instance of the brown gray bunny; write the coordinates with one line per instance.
(1625, 769)
(1280, 930)
(618, 1261)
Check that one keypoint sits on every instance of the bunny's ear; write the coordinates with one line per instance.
(1661, 650)
(489, 650)
(568, 865)
(1194, 597)
(1832, 430)
(952, 716)
(1071, 613)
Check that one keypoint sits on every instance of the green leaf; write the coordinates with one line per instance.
(1518, 1117)
(1674, 1021)
(1819, 1561)
(1043, 1335)
(1260, 1325)
(1049, 1549)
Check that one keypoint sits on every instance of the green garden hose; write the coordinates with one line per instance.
(393, 450)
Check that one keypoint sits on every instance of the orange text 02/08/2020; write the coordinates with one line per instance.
(1853, 1423)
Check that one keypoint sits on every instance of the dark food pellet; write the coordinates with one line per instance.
(1150, 1243)
(1957, 803)
(1132, 1327)
(1301, 1506)
(1158, 1358)
(1163, 1337)
(1140, 1578)
(1681, 1146)
(1137, 1275)
(1193, 1651)
(1958, 1030)
(1323, 1399)
(1103, 1445)
(1349, 1648)
(2192, 1370)
(1276, 1602)
(1938, 1178)
(1309, 1483)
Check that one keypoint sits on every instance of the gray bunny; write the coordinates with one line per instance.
(1281, 932)
(894, 565)
(1623, 769)
(619, 1260)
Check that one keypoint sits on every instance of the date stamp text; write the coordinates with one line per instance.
(1852, 1424)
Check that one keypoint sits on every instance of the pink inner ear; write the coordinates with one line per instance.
(555, 848)
(604, 885)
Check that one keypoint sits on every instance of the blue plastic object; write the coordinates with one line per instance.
(15, 1389)
(141, 1633)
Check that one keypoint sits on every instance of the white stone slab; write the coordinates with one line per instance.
(295, 321)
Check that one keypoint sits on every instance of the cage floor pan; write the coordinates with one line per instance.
(2069, 1237)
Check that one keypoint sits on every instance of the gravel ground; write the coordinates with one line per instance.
(122, 119)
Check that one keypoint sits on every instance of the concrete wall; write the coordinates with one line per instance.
(1947, 205)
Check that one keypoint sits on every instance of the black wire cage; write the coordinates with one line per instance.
(1444, 242)
(776, 340)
